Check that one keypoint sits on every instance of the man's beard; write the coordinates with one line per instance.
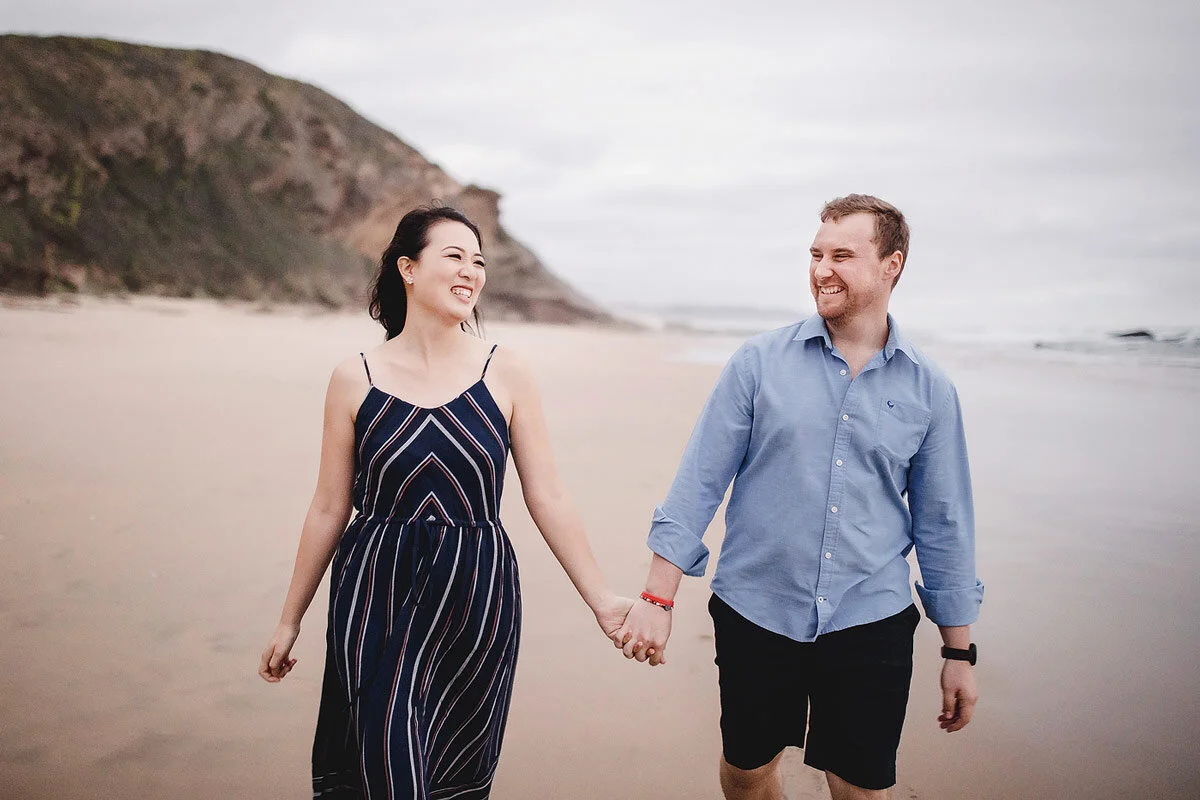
(844, 310)
(853, 305)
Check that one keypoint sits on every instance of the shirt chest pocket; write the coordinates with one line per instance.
(900, 429)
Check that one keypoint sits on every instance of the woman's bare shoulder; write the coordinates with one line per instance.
(349, 382)
(351, 369)
(512, 369)
(507, 359)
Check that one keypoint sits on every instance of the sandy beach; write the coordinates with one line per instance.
(157, 458)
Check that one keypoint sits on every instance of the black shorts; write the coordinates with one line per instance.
(849, 689)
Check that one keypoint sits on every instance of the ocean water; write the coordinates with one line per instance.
(720, 329)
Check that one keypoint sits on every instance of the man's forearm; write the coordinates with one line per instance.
(956, 636)
(663, 579)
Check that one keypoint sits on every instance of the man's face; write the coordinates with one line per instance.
(846, 274)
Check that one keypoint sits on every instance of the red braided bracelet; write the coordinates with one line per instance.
(661, 602)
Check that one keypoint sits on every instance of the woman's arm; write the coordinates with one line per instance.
(326, 518)
(547, 500)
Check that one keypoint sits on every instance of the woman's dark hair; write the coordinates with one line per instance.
(389, 303)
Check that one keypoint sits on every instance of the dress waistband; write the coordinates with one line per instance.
(435, 522)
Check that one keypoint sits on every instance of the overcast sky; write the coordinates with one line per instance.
(1046, 154)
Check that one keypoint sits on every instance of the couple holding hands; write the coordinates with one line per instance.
(846, 450)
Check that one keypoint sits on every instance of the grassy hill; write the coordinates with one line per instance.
(183, 172)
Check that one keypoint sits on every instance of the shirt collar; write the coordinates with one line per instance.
(814, 327)
(898, 341)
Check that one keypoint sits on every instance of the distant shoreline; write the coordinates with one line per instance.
(712, 342)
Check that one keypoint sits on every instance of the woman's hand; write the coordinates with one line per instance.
(610, 614)
(275, 662)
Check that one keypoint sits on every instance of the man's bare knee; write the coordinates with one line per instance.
(758, 782)
(841, 790)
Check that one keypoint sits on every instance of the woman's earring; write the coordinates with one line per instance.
(408, 280)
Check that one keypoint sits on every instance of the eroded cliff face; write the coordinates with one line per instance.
(184, 172)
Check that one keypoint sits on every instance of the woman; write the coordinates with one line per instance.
(425, 606)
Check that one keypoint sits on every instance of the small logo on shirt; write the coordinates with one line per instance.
(891, 404)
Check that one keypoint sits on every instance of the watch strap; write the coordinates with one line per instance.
(970, 655)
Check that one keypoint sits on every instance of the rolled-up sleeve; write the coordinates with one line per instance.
(943, 518)
(714, 452)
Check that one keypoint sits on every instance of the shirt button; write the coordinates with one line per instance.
(845, 417)
(829, 555)
(838, 462)
(820, 599)
(833, 509)
(843, 372)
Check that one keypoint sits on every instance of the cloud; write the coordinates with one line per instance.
(682, 150)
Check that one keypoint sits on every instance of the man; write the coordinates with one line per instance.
(845, 446)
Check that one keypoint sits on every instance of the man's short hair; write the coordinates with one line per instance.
(891, 229)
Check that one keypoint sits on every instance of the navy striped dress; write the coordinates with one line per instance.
(424, 607)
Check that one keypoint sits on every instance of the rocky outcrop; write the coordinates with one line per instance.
(186, 172)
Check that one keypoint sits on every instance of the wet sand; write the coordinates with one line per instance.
(157, 458)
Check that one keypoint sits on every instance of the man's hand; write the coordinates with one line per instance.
(959, 695)
(645, 632)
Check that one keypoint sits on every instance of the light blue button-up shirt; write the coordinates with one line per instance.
(835, 480)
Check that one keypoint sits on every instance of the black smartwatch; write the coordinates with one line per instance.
(969, 655)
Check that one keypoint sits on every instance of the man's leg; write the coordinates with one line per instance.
(763, 783)
(840, 790)
(858, 703)
(764, 702)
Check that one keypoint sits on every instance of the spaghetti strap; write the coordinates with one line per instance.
(368, 369)
(489, 361)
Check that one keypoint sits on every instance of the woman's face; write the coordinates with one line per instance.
(449, 273)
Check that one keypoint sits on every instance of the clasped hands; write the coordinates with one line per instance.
(641, 632)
